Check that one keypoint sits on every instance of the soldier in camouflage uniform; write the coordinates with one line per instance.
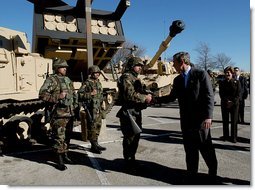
(58, 91)
(213, 81)
(133, 99)
(91, 95)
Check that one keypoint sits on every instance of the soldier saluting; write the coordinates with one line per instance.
(58, 91)
(133, 99)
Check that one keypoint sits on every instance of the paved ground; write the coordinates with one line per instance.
(160, 155)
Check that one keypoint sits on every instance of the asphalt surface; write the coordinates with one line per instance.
(160, 156)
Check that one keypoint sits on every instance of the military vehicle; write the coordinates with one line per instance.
(22, 73)
(80, 35)
(158, 75)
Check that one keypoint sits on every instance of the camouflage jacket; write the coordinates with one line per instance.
(50, 92)
(93, 102)
(214, 83)
(131, 91)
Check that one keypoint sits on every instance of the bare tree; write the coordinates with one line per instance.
(204, 59)
(127, 49)
(222, 61)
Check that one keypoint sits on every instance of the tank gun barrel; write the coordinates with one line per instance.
(176, 27)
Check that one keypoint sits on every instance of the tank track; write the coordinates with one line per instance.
(9, 108)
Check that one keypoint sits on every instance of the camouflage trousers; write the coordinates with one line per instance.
(61, 133)
(130, 140)
(94, 128)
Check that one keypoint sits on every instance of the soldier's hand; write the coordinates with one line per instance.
(62, 95)
(148, 98)
(94, 92)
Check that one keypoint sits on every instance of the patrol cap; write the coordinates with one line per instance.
(94, 69)
(134, 61)
(58, 63)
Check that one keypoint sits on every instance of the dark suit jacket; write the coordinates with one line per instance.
(244, 88)
(229, 91)
(196, 101)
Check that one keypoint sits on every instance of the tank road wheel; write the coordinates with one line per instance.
(109, 99)
(22, 131)
(108, 103)
(18, 132)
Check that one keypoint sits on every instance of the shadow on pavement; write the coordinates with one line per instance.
(145, 169)
(174, 176)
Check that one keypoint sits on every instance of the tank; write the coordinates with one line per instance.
(81, 37)
(158, 75)
(22, 73)
(159, 78)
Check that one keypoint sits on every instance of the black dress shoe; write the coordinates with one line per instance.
(224, 138)
(233, 140)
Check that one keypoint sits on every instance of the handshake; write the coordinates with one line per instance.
(151, 99)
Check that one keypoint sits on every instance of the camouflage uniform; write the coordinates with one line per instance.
(213, 80)
(94, 106)
(132, 97)
(61, 118)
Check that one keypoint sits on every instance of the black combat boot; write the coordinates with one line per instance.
(94, 148)
(61, 165)
(99, 146)
(67, 159)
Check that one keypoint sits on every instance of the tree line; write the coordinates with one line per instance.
(205, 60)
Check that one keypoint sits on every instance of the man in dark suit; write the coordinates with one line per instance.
(194, 92)
(243, 94)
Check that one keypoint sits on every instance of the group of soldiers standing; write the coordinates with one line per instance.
(58, 92)
(192, 88)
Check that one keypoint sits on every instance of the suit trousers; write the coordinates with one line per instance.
(192, 145)
(233, 112)
(241, 110)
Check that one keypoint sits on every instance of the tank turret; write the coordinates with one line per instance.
(158, 75)
(176, 27)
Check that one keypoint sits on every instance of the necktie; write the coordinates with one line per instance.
(185, 79)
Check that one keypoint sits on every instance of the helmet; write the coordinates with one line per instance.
(134, 61)
(94, 69)
(209, 71)
(57, 63)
